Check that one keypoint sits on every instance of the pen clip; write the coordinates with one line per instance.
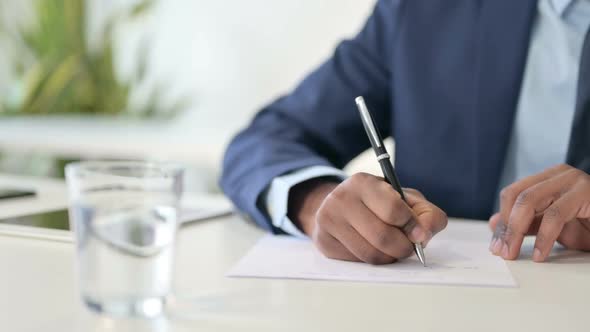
(368, 122)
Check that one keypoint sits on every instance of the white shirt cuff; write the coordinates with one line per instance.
(277, 195)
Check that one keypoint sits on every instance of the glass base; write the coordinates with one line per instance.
(145, 307)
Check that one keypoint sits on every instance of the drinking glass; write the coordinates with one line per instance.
(125, 218)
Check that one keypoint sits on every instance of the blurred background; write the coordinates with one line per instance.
(164, 80)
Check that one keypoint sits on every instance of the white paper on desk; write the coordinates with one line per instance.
(454, 262)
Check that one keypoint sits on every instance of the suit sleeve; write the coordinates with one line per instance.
(317, 124)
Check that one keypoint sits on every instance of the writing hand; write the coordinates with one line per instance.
(365, 219)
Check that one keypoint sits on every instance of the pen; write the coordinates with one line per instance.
(384, 160)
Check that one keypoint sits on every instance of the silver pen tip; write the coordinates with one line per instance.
(420, 253)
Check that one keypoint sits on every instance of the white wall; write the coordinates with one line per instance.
(231, 57)
(235, 56)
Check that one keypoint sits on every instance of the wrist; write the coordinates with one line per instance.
(306, 198)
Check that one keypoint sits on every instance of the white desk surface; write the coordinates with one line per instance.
(38, 293)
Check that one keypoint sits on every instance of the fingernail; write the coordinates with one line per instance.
(497, 247)
(537, 256)
(418, 234)
(500, 230)
(492, 243)
(505, 251)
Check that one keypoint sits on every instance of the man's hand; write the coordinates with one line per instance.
(364, 218)
(553, 205)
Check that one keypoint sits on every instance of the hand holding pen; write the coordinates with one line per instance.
(363, 218)
(384, 160)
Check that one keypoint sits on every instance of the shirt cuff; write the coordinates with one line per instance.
(277, 195)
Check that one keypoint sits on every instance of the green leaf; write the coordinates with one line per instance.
(54, 85)
(141, 8)
(69, 77)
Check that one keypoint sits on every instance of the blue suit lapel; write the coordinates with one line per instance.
(579, 148)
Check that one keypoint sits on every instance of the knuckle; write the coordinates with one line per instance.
(508, 194)
(338, 194)
(510, 231)
(580, 175)
(320, 220)
(560, 167)
(577, 173)
(525, 197)
(322, 214)
(382, 240)
(397, 209)
(552, 213)
(386, 189)
(323, 217)
(514, 230)
(360, 178)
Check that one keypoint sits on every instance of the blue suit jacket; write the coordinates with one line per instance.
(442, 77)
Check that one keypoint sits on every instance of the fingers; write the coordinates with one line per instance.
(418, 218)
(494, 220)
(508, 195)
(498, 227)
(362, 233)
(384, 237)
(543, 205)
(385, 202)
(562, 211)
(357, 245)
(529, 203)
(334, 234)
(365, 219)
(332, 248)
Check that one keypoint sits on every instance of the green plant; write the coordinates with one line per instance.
(69, 76)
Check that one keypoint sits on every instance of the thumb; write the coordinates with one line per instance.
(428, 216)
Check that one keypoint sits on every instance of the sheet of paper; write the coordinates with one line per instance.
(462, 259)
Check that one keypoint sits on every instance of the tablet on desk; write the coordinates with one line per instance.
(9, 193)
(54, 225)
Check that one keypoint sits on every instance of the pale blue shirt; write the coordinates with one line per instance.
(544, 115)
(546, 106)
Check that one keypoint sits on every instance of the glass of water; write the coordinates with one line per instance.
(125, 217)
